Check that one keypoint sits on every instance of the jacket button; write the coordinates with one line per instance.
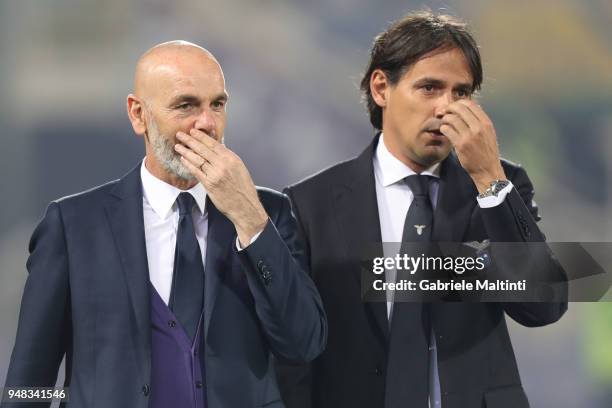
(265, 272)
(146, 390)
(267, 277)
(378, 371)
(199, 384)
(171, 323)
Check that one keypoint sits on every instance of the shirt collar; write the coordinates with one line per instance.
(394, 170)
(162, 196)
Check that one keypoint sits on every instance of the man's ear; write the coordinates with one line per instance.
(379, 87)
(136, 113)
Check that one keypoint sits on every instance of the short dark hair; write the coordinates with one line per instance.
(406, 40)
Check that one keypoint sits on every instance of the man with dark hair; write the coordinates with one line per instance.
(408, 40)
(432, 174)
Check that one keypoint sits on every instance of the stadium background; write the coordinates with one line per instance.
(292, 69)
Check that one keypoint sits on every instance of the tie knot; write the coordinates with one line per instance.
(185, 203)
(419, 184)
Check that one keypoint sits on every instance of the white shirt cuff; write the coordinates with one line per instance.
(494, 201)
(240, 248)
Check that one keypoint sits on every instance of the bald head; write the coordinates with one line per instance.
(169, 60)
(178, 86)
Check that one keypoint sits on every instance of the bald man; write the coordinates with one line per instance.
(175, 285)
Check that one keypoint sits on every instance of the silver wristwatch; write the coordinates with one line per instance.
(494, 188)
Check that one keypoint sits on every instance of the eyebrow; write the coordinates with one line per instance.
(194, 99)
(439, 83)
(221, 97)
(184, 98)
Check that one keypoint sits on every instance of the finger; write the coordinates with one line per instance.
(190, 155)
(455, 121)
(206, 168)
(466, 115)
(205, 139)
(450, 133)
(196, 171)
(195, 145)
(476, 110)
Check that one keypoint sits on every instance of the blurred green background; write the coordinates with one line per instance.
(292, 69)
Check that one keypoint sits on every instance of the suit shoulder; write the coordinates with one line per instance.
(324, 178)
(270, 198)
(269, 194)
(88, 197)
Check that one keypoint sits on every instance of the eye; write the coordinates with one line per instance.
(463, 93)
(430, 89)
(218, 105)
(184, 106)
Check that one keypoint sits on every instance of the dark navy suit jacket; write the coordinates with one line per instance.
(337, 212)
(87, 298)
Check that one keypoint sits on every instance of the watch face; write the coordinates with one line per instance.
(494, 188)
(499, 186)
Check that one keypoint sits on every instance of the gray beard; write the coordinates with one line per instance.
(163, 150)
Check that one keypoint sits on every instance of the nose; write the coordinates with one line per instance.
(442, 102)
(205, 122)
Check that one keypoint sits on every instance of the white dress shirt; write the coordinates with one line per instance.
(161, 217)
(394, 198)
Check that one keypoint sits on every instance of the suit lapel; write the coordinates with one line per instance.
(125, 216)
(219, 255)
(456, 201)
(357, 209)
